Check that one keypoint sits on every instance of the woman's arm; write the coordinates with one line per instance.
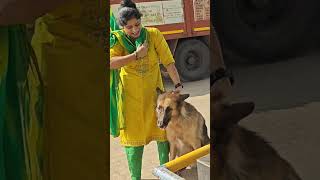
(120, 61)
(166, 57)
(173, 73)
(117, 62)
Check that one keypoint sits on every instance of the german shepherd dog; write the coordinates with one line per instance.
(238, 153)
(185, 126)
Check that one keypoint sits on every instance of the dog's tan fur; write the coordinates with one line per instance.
(186, 129)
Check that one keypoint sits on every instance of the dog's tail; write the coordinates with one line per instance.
(205, 137)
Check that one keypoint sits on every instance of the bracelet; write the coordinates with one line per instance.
(177, 85)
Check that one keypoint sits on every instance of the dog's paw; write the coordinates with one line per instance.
(180, 172)
(193, 165)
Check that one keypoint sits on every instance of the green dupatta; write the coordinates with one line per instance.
(115, 96)
(20, 107)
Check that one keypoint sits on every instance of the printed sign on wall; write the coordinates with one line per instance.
(152, 13)
(201, 10)
(173, 12)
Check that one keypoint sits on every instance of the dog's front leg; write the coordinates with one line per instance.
(196, 144)
(173, 151)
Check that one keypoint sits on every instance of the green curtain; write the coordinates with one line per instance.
(21, 103)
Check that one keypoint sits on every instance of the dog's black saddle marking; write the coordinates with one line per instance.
(219, 74)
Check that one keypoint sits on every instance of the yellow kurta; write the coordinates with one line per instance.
(69, 45)
(140, 80)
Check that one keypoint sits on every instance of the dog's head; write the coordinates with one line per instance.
(168, 104)
(226, 115)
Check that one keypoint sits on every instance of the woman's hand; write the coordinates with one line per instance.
(142, 50)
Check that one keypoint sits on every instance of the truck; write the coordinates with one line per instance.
(185, 25)
(264, 30)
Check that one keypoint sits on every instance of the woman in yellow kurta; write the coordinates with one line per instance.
(69, 44)
(140, 76)
(67, 140)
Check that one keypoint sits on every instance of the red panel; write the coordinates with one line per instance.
(174, 36)
(201, 23)
(171, 27)
(136, 1)
(187, 26)
(115, 1)
(188, 15)
(201, 33)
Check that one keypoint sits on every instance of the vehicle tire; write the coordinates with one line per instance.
(192, 60)
(263, 29)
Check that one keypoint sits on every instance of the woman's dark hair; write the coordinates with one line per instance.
(128, 11)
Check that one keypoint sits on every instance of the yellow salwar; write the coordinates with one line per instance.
(140, 80)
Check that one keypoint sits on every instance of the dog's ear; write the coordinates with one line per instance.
(159, 91)
(226, 116)
(183, 97)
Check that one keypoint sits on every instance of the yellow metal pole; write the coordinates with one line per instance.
(187, 159)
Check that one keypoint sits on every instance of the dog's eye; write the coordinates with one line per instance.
(160, 108)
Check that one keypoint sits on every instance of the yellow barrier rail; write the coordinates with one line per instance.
(187, 159)
(180, 163)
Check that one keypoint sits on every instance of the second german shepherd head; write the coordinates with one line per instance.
(241, 154)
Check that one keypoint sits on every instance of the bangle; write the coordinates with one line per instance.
(177, 85)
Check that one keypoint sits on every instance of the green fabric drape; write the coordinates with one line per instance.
(20, 107)
(113, 23)
(115, 96)
(126, 42)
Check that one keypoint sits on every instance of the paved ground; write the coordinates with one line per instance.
(200, 97)
(287, 97)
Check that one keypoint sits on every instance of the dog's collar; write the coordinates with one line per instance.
(219, 74)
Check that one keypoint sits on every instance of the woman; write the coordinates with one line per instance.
(69, 140)
(136, 51)
(69, 45)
